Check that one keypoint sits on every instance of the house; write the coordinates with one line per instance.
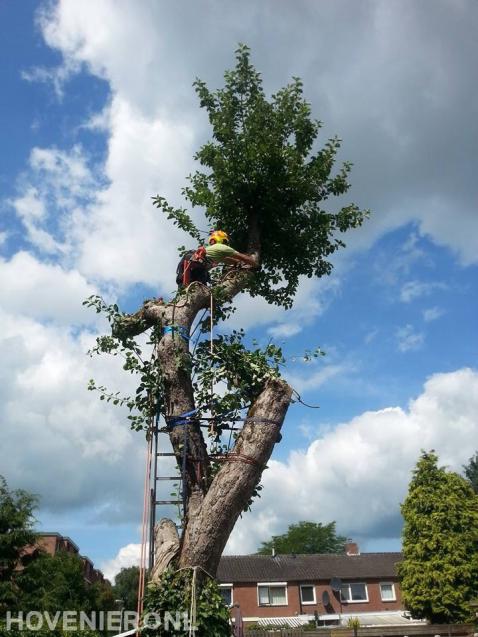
(296, 589)
(52, 543)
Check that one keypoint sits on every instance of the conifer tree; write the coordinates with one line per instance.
(439, 573)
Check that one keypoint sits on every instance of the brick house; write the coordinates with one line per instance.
(331, 588)
(52, 543)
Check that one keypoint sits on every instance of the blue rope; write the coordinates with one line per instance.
(172, 329)
(182, 419)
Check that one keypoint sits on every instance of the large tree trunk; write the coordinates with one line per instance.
(206, 533)
(211, 511)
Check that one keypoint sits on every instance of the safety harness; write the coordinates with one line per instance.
(193, 267)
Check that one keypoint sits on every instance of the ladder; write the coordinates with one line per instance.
(156, 478)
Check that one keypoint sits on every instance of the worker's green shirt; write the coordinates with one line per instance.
(219, 251)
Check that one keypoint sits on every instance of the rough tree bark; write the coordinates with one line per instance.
(212, 506)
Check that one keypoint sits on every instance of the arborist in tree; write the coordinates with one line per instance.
(195, 264)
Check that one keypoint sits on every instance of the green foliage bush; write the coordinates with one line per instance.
(173, 594)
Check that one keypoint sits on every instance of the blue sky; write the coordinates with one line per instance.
(98, 114)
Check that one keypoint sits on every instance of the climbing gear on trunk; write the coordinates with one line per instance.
(177, 329)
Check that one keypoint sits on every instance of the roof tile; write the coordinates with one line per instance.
(265, 568)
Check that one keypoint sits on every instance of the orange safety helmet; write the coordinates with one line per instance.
(218, 236)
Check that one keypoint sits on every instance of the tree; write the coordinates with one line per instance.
(57, 582)
(16, 532)
(439, 573)
(305, 537)
(265, 184)
(471, 472)
(126, 587)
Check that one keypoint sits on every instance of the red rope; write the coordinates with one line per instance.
(238, 457)
(144, 527)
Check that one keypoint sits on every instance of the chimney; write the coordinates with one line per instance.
(351, 548)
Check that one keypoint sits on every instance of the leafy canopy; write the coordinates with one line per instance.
(439, 574)
(263, 173)
(126, 587)
(57, 582)
(16, 532)
(305, 537)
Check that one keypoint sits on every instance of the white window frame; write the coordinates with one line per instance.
(273, 585)
(313, 590)
(231, 587)
(392, 584)
(354, 601)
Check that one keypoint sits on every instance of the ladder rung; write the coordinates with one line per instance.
(168, 478)
(168, 502)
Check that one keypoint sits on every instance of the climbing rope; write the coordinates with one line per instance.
(193, 604)
(192, 610)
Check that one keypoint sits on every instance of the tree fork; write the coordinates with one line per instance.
(173, 353)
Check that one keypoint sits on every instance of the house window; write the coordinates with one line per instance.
(307, 594)
(226, 593)
(272, 594)
(387, 592)
(354, 592)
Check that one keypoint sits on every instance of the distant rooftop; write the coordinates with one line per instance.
(59, 535)
(265, 568)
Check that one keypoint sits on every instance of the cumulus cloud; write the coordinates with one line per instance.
(128, 555)
(44, 291)
(59, 440)
(358, 472)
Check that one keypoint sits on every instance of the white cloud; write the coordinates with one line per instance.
(357, 473)
(315, 379)
(408, 339)
(51, 194)
(128, 555)
(412, 290)
(44, 291)
(59, 440)
(432, 313)
(123, 237)
(285, 330)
